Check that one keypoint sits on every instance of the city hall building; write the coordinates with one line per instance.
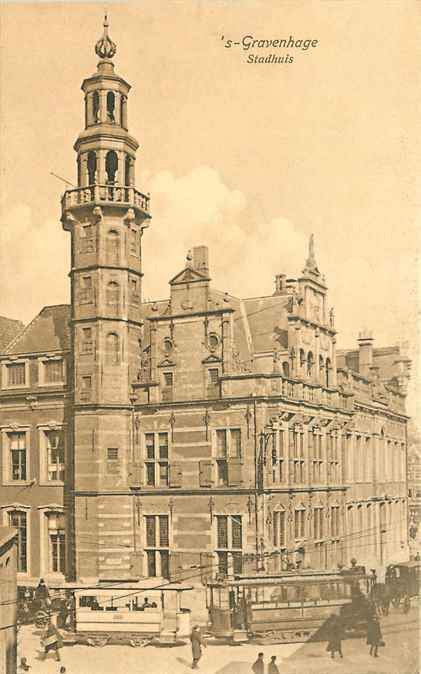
(204, 434)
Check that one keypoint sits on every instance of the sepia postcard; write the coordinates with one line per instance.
(210, 450)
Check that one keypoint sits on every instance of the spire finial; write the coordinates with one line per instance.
(311, 264)
(105, 48)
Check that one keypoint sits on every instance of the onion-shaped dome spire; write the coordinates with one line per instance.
(105, 48)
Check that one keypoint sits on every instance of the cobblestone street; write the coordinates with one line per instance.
(400, 655)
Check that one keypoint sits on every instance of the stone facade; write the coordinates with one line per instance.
(202, 434)
(8, 595)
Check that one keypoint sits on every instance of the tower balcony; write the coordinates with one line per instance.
(105, 195)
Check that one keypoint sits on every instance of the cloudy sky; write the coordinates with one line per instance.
(247, 158)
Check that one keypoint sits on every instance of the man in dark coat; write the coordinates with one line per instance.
(335, 637)
(42, 594)
(374, 636)
(196, 646)
(258, 667)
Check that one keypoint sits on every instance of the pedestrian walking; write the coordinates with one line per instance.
(197, 642)
(335, 630)
(42, 593)
(374, 636)
(258, 667)
(273, 667)
(52, 641)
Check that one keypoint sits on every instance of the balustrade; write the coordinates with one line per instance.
(105, 193)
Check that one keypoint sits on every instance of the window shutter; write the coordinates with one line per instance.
(136, 564)
(205, 473)
(135, 475)
(235, 472)
(206, 567)
(175, 475)
(176, 566)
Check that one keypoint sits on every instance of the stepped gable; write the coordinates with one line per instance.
(48, 331)
(9, 329)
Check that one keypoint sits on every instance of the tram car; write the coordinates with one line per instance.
(136, 615)
(292, 607)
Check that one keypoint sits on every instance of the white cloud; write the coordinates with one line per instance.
(34, 265)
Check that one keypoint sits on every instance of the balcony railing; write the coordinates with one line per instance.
(105, 194)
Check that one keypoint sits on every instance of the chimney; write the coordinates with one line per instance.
(201, 259)
(365, 345)
(280, 284)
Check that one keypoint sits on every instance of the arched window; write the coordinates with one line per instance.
(95, 107)
(112, 349)
(111, 166)
(328, 368)
(321, 364)
(127, 170)
(285, 368)
(309, 363)
(92, 168)
(113, 294)
(110, 106)
(113, 247)
(123, 112)
(302, 357)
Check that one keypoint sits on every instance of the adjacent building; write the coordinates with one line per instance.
(8, 603)
(198, 435)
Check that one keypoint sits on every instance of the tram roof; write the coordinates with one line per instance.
(412, 564)
(288, 579)
(146, 585)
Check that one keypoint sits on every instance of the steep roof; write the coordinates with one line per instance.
(48, 331)
(9, 328)
(384, 358)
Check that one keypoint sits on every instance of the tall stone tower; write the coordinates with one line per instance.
(106, 216)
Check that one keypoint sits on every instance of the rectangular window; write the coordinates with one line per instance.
(168, 386)
(87, 340)
(213, 376)
(55, 456)
(318, 523)
(18, 457)
(86, 289)
(56, 542)
(278, 457)
(228, 446)
(168, 379)
(18, 520)
(53, 371)
(213, 383)
(156, 459)
(229, 542)
(299, 523)
(334, 517)
(279, 537)
(157, 545)
(16, 374)
(86, 388)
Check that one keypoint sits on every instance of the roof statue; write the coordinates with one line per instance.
(105, 48)
(311, 264)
